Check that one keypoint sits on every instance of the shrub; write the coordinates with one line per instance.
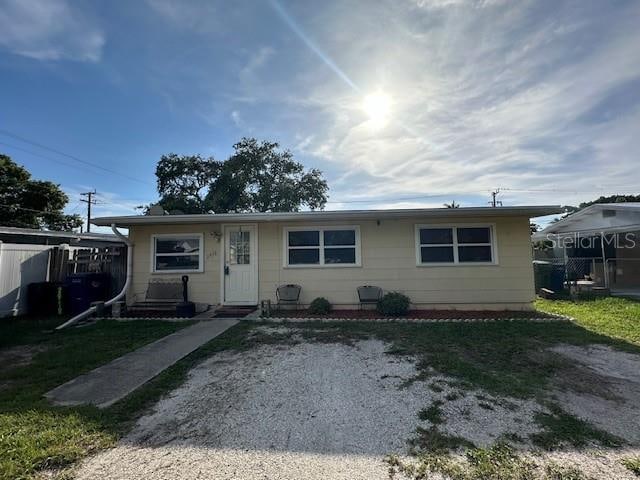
(320, 306)
(394, 304)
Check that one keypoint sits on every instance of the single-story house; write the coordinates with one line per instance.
(600, 243)
(462, 258)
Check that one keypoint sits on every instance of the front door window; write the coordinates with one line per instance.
(240, 248)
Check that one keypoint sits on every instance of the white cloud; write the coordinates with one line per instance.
(201, 17)
(256, 61)
(483, 98)
(49, 30)
(236, 118)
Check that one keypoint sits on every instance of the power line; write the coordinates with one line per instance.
(72, 157)
(89, 201)
(15, 207)
(392, 199)
(39, 155)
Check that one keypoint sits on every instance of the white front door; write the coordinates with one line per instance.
(240, 265)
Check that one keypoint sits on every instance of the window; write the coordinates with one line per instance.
(177, 253)
(239, 248)
(322, 246)
(455, 245)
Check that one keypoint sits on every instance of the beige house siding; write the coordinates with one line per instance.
(203, 287)
(388, 257)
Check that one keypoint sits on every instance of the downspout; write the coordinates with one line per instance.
(119, 296)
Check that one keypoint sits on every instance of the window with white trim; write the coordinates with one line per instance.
(322, 246)
(177, 253)
(455, 245)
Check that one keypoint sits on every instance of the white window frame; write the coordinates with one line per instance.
(176, 236)
(455, 245)
(321, 246)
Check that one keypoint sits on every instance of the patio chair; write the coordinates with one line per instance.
(288, 295)
(369, 295)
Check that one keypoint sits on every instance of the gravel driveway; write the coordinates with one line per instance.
(335, 411)
(305, 411)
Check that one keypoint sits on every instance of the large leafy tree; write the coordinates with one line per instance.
(31, 203)
(184, 180)
(257, 177)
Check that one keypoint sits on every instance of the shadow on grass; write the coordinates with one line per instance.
(503, 358)
(39, 436)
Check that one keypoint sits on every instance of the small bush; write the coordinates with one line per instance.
(320, 306)
(394, 304)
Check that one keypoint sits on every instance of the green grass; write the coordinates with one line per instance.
(433, 413)
(498, 462)
(633, 465)
(612, 316)
(562, 429)
(502, 358)
(35, 435)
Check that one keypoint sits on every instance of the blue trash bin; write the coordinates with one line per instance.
(85, 288)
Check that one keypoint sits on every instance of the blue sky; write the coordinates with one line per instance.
(539, 98)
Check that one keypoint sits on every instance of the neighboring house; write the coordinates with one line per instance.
(601, 243)
(30, 236)
(465, 258)
(26, 257)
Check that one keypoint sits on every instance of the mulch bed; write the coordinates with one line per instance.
(418, 314)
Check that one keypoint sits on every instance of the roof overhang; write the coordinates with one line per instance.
(102, 237)
(574, 224)
(322, 215)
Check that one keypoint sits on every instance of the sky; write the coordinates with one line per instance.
(400, 103)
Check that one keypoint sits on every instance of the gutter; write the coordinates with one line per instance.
(119, 296)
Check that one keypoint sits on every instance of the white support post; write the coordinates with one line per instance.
(605, 270)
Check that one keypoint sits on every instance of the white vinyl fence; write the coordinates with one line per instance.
(20, 265)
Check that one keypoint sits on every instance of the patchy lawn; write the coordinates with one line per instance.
(489, 393)
(33, 359)
(326, 399)
(613, 316)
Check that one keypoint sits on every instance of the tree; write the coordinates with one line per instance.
(31, 203)
(257, 177)
(453, 204)
(183, 182)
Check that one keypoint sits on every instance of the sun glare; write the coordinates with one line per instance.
(378, 107)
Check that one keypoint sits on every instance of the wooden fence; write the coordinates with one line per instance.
(22, 264)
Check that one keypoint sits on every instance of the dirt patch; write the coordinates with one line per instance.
(484, 419)
(610, 389)
(16, 357)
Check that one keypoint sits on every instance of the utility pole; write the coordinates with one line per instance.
(89, 201)
(494, 202)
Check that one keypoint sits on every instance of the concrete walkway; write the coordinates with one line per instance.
(111, 382)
